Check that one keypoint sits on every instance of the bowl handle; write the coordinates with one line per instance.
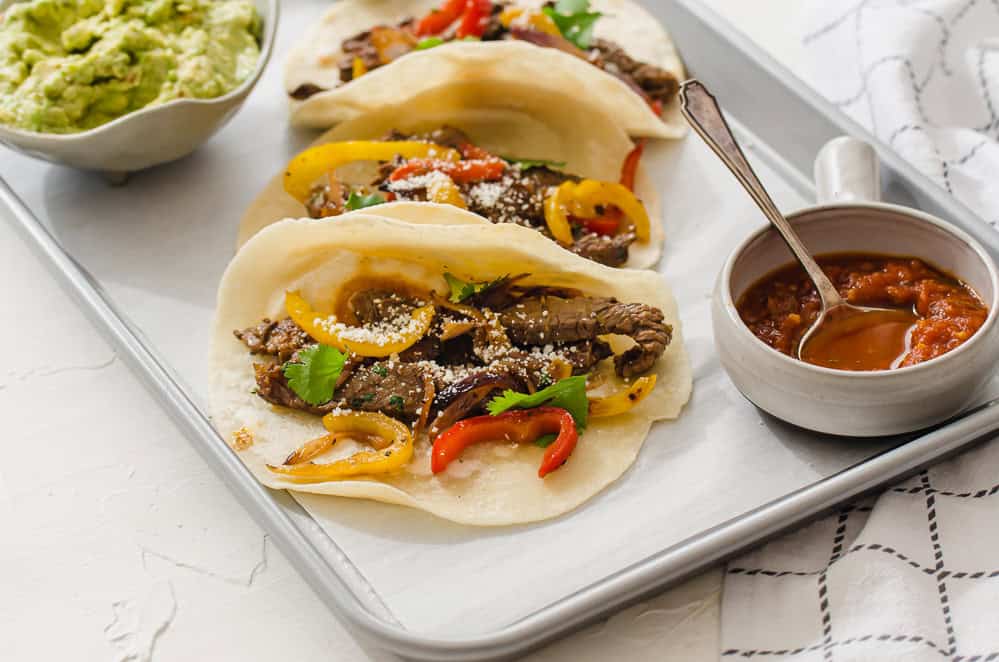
(847, 170)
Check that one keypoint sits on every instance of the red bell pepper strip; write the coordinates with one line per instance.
(520, 426)
(439, 19)
(470, 151)
(474, 20)
(630, 166)
(606, 224)
(475, 170)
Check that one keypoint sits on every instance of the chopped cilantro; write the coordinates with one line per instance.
(380, 370)
(313, 376)
(574, 20)
(545, 440)
(361, 399)
(429, 42)
(568, 393)
(397, 402)
(460, 290)
(524, 164)
(358, 201)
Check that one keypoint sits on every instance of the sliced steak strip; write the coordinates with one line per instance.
(585, 354)
(551, 319)
(394, 388)
(657, 83)
(609, 250)
(281, 339)
(273, 387)
(373, 306)
(305, 90)
(391, 387)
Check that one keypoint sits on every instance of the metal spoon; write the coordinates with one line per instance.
(837, 317)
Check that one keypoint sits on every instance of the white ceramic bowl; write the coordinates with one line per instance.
(149, 136)
(858, 403)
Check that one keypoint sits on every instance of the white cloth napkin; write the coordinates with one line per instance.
(913, 574)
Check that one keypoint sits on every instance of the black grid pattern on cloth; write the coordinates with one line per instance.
(948, 650)
(855, 15)
(943, 58)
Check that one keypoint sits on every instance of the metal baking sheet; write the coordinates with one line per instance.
(144, 260)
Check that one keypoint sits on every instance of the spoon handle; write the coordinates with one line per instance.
(701, 110)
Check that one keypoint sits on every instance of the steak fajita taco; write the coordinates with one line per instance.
(364, 52)
(578, 182)
(474, 371)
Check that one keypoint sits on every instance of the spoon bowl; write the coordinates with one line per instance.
(152, 135)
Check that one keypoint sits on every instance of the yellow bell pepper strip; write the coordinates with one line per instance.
(314, 447)
(396, 455)
(443, 191)
(536, 20)
(358, 68)
(316, 161)
(521, 426)
(557, 212)
(328, 331)
(623, 400)
(591, 193)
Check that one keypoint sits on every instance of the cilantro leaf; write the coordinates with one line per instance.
(546, 440)
(358, 201)
(313, 376)
(574, 20)
(429, 42)
(461, 290)
(524, 164)
(568, 393)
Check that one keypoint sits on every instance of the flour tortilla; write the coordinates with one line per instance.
(496, 483)
(591, 145)
(543, 73)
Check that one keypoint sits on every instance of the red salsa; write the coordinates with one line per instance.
(782, 305)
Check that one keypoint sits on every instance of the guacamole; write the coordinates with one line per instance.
(72, 65)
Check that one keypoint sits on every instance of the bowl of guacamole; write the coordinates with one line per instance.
(121, 85)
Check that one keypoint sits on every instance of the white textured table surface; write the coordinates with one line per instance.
(120, 544)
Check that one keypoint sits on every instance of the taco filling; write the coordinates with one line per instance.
(488, 361)
(565, 25)
(595, 219)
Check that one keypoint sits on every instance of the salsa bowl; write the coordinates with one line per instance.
(855, 403)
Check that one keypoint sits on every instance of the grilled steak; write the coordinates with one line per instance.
(519, 346)
(656, 83)
(391, 387)
(609, 250)
(273, 387)
(281, 339)
(373, 306)
(551, 319)
(305, 90)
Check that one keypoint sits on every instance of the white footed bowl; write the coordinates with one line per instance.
(841, 402)
(150, 136)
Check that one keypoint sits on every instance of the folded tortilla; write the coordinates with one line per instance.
(495, 483)
(590, 144)
(542, 72)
